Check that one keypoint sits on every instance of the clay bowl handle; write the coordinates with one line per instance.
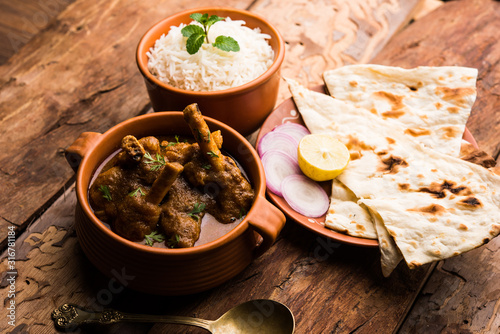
(266, 220)
(81, 146)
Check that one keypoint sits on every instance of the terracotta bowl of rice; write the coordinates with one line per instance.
(238, 88)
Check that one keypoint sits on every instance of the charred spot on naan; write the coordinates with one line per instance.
(456, 95)
(416, 87)
(393, 113)
(414, 264)
(432, 209)
(356, 147)
(438, 189)
(392, 164)
(404, 186)
(470, 202)
(417, 132)
(390, 140)
(396, 103)
(359, 227)
(495, 230)
(450, 131)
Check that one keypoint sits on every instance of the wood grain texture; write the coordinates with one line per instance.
(438, 39)
(324, 35)
(462, 295)
(20, 20)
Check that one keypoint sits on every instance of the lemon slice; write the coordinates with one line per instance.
(322, 157)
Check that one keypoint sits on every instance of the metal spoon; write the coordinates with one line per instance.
(256, 316)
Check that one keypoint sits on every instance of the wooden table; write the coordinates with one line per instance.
(77, 73)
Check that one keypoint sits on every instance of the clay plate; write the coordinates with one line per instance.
(287, 112)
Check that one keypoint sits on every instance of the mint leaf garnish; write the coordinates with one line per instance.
(226, 43)
(196, 35)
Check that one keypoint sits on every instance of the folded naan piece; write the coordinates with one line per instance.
(346, 215)
(432, 104)
(390, 254)
(433, 205)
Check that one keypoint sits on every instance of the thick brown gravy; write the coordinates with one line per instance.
(211, 229)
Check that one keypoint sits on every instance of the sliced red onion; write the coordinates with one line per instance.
(278, 166)
(295, 130)
(305, 196)
(278, 141)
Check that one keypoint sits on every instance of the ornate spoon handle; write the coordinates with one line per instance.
(70, 316)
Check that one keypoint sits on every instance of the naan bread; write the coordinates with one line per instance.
(433, 205)
(346, 215)
(390, 253)
(431, 103)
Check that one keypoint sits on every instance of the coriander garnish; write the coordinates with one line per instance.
(212, 154)
(198, 132)
(172, 143)
(158, 162)
(242, 212)
(196, 34)
(138, 190)
(198, 208)
(173, 241)
(105, 192)
(154, 236)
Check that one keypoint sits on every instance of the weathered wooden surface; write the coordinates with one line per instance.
(20, 20)
(322, 35)
(329, 287)
(462, 295)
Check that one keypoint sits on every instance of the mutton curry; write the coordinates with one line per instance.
(163, 186)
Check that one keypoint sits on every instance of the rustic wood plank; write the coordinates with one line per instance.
(323, 35)
(462, 296)
(20, 20)
(457, 299)
(90, 48)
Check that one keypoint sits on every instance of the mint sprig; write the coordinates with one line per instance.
(197, 35)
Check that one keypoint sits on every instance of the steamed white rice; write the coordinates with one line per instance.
(211, 69)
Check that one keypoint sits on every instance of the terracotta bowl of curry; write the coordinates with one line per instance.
(244, 107)
(162, 268)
